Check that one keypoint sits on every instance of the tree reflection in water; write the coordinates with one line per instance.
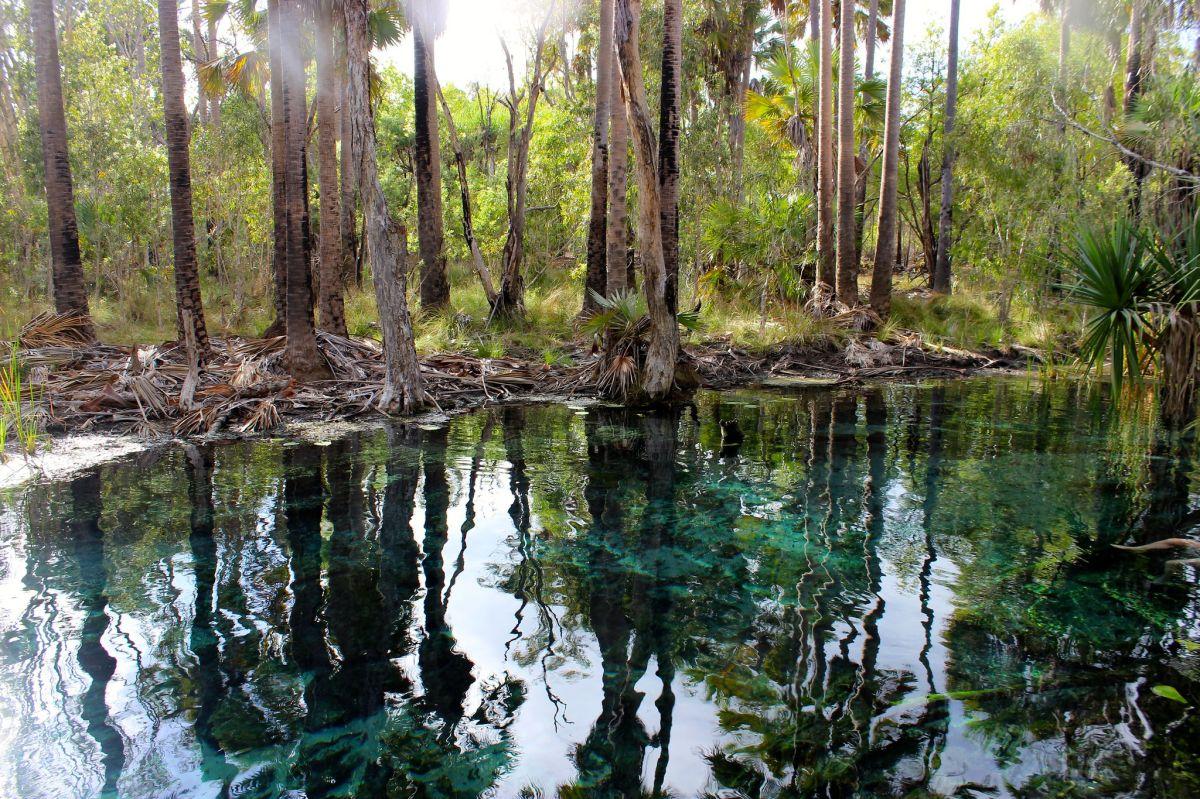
(900, 591)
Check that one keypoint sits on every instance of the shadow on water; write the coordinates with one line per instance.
(898, 592)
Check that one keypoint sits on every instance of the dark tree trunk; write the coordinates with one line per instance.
(596, 281)
(887, 246)
(435, 284)
(668, 148)
(278, 188)
(70, 294)
(403, 389)
(330, 303)
(941, 267)
(826, 254)
(1135, 78)
(303, 357)
(188, 306)
(847, 251)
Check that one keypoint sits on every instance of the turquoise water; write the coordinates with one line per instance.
(907, 591)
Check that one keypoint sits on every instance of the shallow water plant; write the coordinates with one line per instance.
(16, 420)
(1144, 288)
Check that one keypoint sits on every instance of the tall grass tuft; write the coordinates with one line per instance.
(16, 417)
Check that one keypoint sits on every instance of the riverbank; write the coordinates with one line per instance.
(102, 402)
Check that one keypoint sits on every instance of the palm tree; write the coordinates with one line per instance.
(658, 376)
(403, 390)
(188, 305)
(847, 249)
(826, 262)
(1136, 71)
(278, 189)
(200, 56)
(330, 303)
(428, 19)
(70, 295)
(885, 247)
(941, 267)
(618, 278)
(304, 358)
(668, 151)
(596, 281)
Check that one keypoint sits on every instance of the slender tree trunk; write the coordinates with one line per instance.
(510, 301)
(278, 188)
(304, 359)
(214, 102)
(351, 269)
(847, 252)
(941, 268)
(188, 306)
(70, 293)
(403, 389)
(435, 283)
(860, 201)
(826, 254)
(596, 282)
(201, 55)
(1181, 368)
(1135, 77)
(617, 244)
(330, 302)
(668, 150)
(464, 190)
(658, 375)
(888, 239)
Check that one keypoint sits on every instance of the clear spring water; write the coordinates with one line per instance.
(906, 591)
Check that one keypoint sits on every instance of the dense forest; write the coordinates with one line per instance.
(651, 173)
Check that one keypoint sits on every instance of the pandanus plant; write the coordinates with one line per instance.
(1144, 287)
(620, 328)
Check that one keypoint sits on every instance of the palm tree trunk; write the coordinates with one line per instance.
(188, 306)
(617, 245)
(70, 294)
(847, 251)
(403, 389)
(860, 202)
(888, 238)
(214, 108)
(304, 359)
(826, 260)
(278, 188)
(1135, 78)
(596, 281)
(668, 151)
(1181, 368)
(330, 303)
(658, 376)
(198, 52)
(435, 284)
(351, 269)
(941, 267)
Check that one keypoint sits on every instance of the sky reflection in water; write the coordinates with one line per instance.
(903, 591)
